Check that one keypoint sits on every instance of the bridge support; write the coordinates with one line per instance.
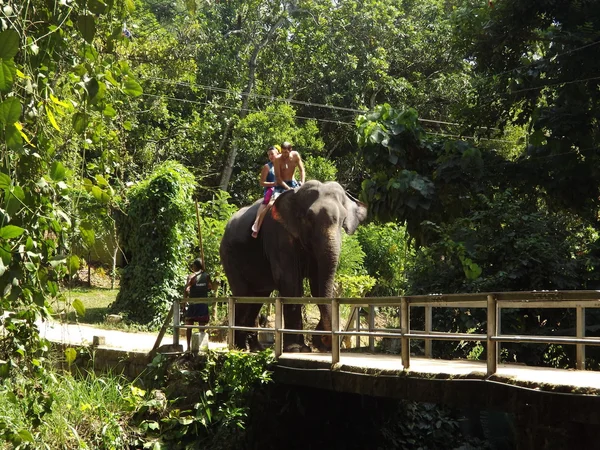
(492, 331)
(404, 330)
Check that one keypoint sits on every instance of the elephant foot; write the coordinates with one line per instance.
(322, 343)
(297, 348)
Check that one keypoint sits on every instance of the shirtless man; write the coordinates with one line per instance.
(285, 167)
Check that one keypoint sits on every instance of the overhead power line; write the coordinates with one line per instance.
(337, 122)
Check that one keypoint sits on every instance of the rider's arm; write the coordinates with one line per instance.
(301, 167)
(263, 177)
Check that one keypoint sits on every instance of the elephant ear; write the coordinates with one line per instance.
(286, 212)
(356, 214)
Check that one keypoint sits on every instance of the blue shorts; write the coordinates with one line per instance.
(291, 183)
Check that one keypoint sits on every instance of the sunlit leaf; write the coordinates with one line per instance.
(130, 5)
(73, 264)
(70, 355)
(109, 111)
(133, 88)
(88, 236)
(79, 307)
(19, 128)
(51, 118)
(11, 232)
(26, 435)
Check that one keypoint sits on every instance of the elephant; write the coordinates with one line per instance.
(300, 238)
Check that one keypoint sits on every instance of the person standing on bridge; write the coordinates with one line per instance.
(197, 286)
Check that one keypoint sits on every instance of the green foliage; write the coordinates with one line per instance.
(319, 168)
(414, 178)
(255, 134)
(158, 230)
(204, 401)
(513, 246)
(214, 215)
(542, 75)
(81, 411)
(386, 256)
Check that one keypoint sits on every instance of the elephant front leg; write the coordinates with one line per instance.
(245, 316)
(292, 315)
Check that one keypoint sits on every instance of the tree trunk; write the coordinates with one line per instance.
(230, 161)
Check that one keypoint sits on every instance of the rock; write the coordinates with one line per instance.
(113, 318)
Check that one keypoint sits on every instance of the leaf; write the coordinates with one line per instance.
(100, 195)
(96, 6)
(93, 87)
(58, 102)
(57, 171)
(13, 137)
(4, 181)
(11, 232)
(79, 307)
(19, 128)
(80, 122)
(9, 44)
(88, 236)
(70, 355)
(26, 435)
(87, 27)
(10, 111)
(130, 5)
(4, 368)
(51, 118)
(73, 264)
(109, 111)
(7, 74)
(132, 87)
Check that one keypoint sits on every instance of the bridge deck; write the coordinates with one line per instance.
(373, 364)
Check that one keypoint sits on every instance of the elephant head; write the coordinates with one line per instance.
(314, 215)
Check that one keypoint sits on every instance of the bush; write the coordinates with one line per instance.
(158, 231)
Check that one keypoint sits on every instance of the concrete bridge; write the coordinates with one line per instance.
(542, 399)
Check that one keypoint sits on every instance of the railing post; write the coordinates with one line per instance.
(428, 328)
(404, 330)
(371, 327)
(580, 363)
(176, 322)
(492, 330)
(231, 317)
(335, 326)
(278, 327)
(358, 326)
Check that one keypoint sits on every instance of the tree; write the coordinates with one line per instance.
(158, 229)
(536, 65)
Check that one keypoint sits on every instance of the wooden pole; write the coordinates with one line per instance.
(200, 236)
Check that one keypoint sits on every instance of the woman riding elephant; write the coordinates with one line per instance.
(300, 237)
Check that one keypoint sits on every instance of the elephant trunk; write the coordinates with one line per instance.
(326, 258)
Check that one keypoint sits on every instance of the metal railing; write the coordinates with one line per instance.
(493, 302)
